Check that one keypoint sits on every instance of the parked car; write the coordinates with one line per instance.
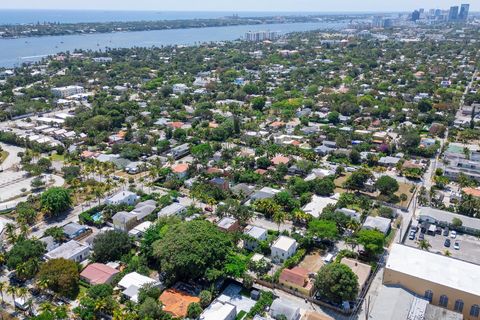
(453, 234)
(411, 236)
(447, 243)
(446, 231)
(421, 236)
(456, 246)
(439, 230)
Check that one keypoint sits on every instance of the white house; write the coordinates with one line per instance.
(120, 197)
(172, 209)
(283, 248)
(219, 311)
(255, 235)
(71, 250)
(132, 282)
(179, 88)
(284, 308)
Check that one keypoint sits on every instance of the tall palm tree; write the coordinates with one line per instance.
(10, 233)
(12, 290)
(3, 286)
(279, 217)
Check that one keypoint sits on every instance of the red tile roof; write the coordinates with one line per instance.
(297, 276)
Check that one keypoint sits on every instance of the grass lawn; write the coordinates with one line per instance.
(241, 315)
(3, 156)
(57, 157)
(404, 188)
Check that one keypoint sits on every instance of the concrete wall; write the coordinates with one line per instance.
(419, 286)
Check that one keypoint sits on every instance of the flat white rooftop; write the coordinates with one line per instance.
(284, 243)
(435, 268)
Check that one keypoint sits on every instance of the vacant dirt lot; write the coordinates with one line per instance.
(312, 262)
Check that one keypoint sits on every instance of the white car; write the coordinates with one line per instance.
(453, 234)
(456, 246)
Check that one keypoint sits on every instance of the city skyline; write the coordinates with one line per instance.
(247, 5)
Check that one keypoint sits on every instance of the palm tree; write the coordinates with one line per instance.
(42, 284)
(46, 306)
(10, 233)
(352, 242)
(424, 245)
(353, 225)
(279, 217)
(447, 253)
(3, 286)
(12, 290)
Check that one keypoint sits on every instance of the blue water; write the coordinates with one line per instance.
(97, 217)
(14, 52)
(75, 16)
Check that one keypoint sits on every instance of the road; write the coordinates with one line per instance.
(12, 158)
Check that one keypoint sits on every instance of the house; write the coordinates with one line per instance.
(297, 279)
(71, 250)
(132, 282)
(123, 197)
(284, 308)
(243, 190)
(179, 151)
(179, 88)
(361, 270)
(389, 161)
(219, 311)
(283, 248)
(180, 170)
(176, 302)
(317, 204)
(220, 183)
(124, 221)
(172, 209)
(377, 223)
(228, 224)
(312, 315)
(280, 160)
(350, 213)
(264, 193)
(98, 273)
(138, 231)
(254, 236)
(74, 230)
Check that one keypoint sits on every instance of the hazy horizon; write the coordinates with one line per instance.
(302, 6)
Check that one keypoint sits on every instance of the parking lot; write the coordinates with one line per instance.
(469, 246)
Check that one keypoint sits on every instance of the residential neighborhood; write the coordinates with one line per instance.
(327, 174)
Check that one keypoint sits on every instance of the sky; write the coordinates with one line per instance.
(239, 5)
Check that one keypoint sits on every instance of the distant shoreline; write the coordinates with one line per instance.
(66, 29)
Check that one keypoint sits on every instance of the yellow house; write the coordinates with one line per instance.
(444, 281)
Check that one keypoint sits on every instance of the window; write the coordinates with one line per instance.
(443, 301)
(429, 295)
(458, 306)
(475, 310)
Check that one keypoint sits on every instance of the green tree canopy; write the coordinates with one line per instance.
(337, 282)
(191, 248)
(323, 229)
(372, 240)
(111, 245)
(55, 201)
(387, 185)
(61, 276)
